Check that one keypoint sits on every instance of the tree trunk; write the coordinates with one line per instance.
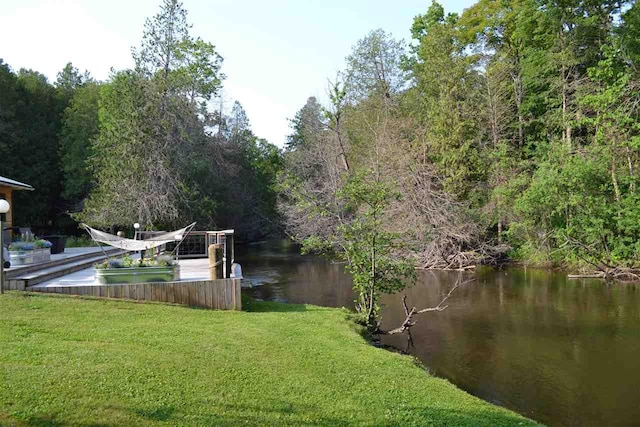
(371, 318)
(518, 91)
(632, 185)
(614, 180)
(493, 114)
(564, 76)
(566, 132)
(343, 153)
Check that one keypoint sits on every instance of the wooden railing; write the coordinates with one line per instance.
(196, 245)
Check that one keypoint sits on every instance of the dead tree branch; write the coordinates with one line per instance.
(410, 313)
(604, 269)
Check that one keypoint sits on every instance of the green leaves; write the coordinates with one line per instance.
(309, 121)
(374, 67)
(79, 128)
(182, 64)
(375, 256)
(30, 111)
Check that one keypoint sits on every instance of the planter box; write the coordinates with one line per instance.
(108, 276)
(29, 257)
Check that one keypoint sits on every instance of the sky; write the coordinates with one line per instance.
(277, 53)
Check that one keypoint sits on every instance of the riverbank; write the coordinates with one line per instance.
(82, 361)
(579, 269)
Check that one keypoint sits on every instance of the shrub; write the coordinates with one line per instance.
(42, 244)
(79, 242)
(22, 246)
(29, 245)
(115, 263)
(128, 262)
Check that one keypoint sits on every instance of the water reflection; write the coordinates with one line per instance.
(559, 351)
(278, 273)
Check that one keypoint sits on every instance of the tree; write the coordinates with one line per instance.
(181, 63)
(31, 142)
(238, 128)
(495, 29)
(263, 163)
(374, 67)
(35, 151)
(70, 79)
(155, 118)
(373, 254)
(10, 137)
(629, 32)
(133, 181)
(309, 121)
(444, 100)
(256, 164)
(335, 200)
(79, 128)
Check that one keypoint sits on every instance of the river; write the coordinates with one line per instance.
(562, 352)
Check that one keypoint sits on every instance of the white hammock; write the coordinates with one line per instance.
(137, 245)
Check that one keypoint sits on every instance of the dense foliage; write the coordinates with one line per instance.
(511, 128)
(30, 119)
(145, 146)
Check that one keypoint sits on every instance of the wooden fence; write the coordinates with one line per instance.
(222, 294)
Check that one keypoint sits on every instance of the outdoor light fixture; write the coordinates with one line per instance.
(135, 237)
(4, 208)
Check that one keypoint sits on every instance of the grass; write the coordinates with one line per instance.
(73, 361)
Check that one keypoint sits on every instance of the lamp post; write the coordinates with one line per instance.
(4, 208)
(136, 226)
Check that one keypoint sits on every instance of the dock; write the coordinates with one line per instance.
(72, 273)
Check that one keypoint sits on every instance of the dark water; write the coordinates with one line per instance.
(563, 352)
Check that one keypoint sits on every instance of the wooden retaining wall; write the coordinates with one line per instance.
(222, 294)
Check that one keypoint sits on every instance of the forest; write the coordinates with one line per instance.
(507, 132)
(145, 146)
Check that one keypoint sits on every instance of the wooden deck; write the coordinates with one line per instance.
(222, 294)
(64, 264)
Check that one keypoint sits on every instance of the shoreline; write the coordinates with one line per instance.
(90, 360)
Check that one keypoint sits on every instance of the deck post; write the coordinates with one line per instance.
(214, 262)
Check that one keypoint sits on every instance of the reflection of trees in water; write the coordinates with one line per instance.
(427, 291)
(531, 340)
(563, 352)
(306, 280)
(321, 283)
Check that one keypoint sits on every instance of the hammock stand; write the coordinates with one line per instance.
(137, 245)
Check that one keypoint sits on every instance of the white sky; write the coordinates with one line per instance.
(276, 53)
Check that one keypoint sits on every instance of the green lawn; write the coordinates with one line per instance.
(72, 361)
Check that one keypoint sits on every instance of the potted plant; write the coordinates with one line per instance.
(29, 252)
(129, 270)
